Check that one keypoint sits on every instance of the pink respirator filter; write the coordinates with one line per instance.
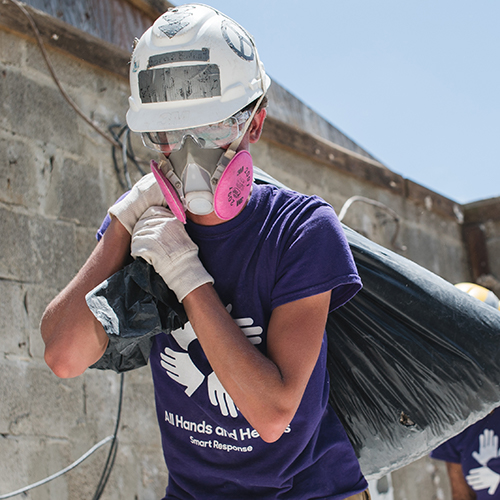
(171, 196)
(234, 186)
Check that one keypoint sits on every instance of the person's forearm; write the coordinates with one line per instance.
(73, 337)
(251, 379)
(267, 390)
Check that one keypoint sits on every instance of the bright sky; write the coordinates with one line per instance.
(415, 83)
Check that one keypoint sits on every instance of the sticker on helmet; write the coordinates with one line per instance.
(175, 22)
(179, 83)
(238, 40)
(179, 56)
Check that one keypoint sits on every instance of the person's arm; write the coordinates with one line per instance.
(460, 490)
(266, 389)
(73, 337)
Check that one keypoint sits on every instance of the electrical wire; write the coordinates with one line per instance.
(125, 158)
(127, 154)
(395, 216)
(107, 467)
(61, 472)
(68, 99)
(115, 141)
(123, 184)
(114, 447)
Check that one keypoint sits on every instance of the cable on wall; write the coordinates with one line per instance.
(61, 472)
(68, 99)
(107, 467)
(363, 199)
(127, 153)
(114, 139)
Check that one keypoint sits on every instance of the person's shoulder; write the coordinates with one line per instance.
(298, 215)
(287, 199)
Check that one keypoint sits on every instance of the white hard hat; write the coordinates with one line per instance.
(193, 67)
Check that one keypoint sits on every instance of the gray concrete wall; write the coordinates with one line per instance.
(482, 225)
(424, 235)
(424, 479)
(56, 182)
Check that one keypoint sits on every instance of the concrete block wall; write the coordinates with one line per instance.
(423, 479)
(424, 235)
(56, 182)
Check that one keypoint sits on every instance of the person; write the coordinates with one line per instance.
(242, 389)
(473, 456)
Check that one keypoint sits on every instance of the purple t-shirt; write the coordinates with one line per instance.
(282, 247)
(477, 449)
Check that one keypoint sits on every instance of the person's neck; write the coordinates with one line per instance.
(205, 220)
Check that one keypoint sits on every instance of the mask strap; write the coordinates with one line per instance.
(231, 150)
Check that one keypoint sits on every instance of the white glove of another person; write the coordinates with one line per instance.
(144, 194)
(161, 239)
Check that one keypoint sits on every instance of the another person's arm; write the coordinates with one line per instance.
(460, 490)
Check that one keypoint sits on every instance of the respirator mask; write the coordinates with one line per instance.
(202, 172)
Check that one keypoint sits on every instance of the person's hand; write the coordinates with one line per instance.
(482, 478)
(144, 194)
(220, 397)
(161, 239)
(488, 447)
(181, 368)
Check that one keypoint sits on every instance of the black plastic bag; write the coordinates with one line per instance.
(412, 359)
(133, 306)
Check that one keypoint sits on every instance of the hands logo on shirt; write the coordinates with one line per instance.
(253, 333)
(483, 477)
(181, 368)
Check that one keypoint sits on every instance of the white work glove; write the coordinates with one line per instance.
(160, 239)
(144, 194)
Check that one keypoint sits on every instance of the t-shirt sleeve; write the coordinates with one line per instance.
(107, 220)
(102, 229)
(447, 452)
(315, 258)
